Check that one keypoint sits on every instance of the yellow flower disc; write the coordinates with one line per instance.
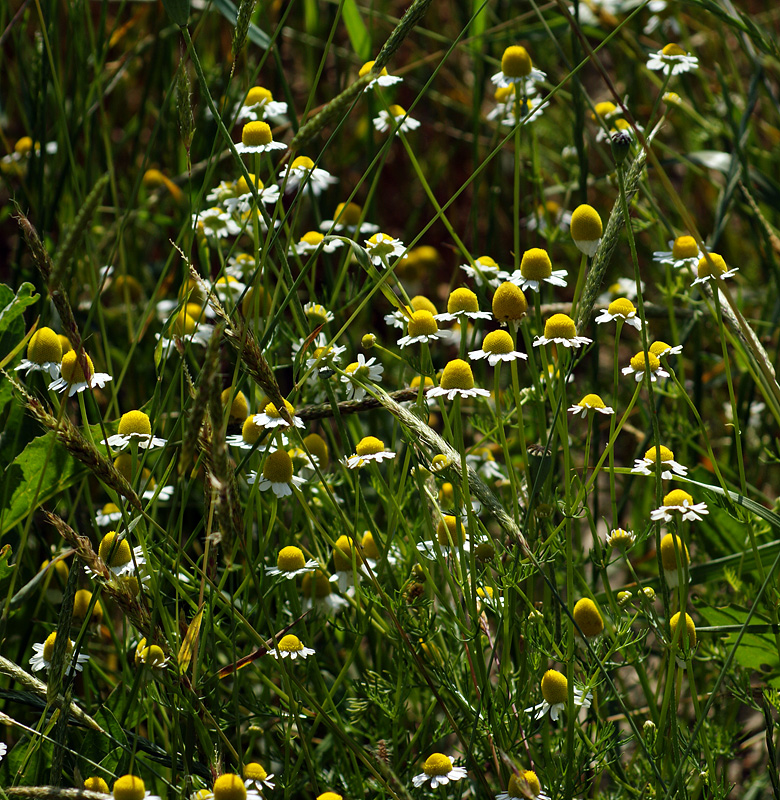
(278, 467)
(622, 306)
(555, 687)
(290, 559)
(258, 94)
(316, 585)
(96, 784)
(422, 323)
(397, 111)
(677, 497)
(81, 605)
(114, 555)
(135, 422)
(462, 300)
(312, 238)
(591, 401)
(448, 531)
(369, 446)
(499, 342)
(671, 545)
(250, 432)
(659, 454)
(605, 108)
(712, 268)
(516, 63)
(421, 303)
(559, 326)
(369, 546)
(239, 408)
(690, 630)
(659, 348)
(684, 247)
(70, 368)
(256, 134)
(44, 347)
(457, 375)
(254, 772)
(364, 70)
(48, 646)
(303, 162)
(437, 764)
(129, 787)
(585, 225)
(290, 644)
(348, 214)
(229, 787)
(586, 614)
(536, 264)
(317, 446)
(638, 362)
(509, 302)
(673, 49)
(255, 302)
(332, 795)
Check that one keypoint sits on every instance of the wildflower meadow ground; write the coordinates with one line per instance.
(389, 400)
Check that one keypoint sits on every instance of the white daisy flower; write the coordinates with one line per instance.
(391, 118)
(683, 252)
(270, 417)
(227, 787)
(72, 376)
(381, 247)
(621, 538)
(591, 402)
(44, 652)
(134, 426)
(162, 493)
(3, 750)
(290, 563)
(421, 327)
(215, 223)
(317, 314)
(44, 353)
(535, 269)
(457, 380)
(250, 435)
(438, 769)
(497, 346)
(303, 171)
(361, 371)
(109, 515)
(312, 241)
(679, 502)
(555, 694)
(317, 593)
(240, 265)
(277, 474)
(290, 646)
(369, 448)
(516, 67)
(450, 531)
(672, 60)
(639, 365)
(243, 201)
(662, 349)
(347, 220)
(483, 271)
(118, 556)
(186, 329)
(672, 548)
(523, 786)
(462, 303)
(259, 104)
(383, 79)
(622, 308)
(256, 778)
(622, 287)
(256, 137)
(664, 456)
(560, 328)
(713, 268)
(483, 461)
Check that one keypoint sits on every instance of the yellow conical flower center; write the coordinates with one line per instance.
(422, 323)
(659, 454)
(437, 764)
(420, 303)
(638, 362)
(369, 546)
(129, 787)
(487, 592)
(272, 411)
(242, 187)
(184, 324)
(250, 432)
(397, 111)
(457, 375)
(605, 108)
(70, 368)
(369, 446)
(448, 530)
(303, 162)
(48, 646)
(290, 559)
(591, 401)
(678, 497)
(152, 656)
(312, 238)
(256, 134)
(684, 247)
(317, 585)
(462, 300)
(415, 384)
(536, 264)
(380, 244)
(229, 787)
(23, 145)
(359, 371)
(586, 614)
(255, 302)
(519, 789)
(658, 348)
(44, 347)
(622, 306)
(114, 555)
(673, 49)
(499, 342)
(486, 262)
(317, 446)
(239, 408)
(516, 63)
(586, 225)
(278, 467)
(81, 605)
(364, 70)
(258, 94)
(342, 554)
(316, 314)
(254, 772)
(509, 302)
(96, 784)
(290, 644)
(446, 493)
(712, 268)
(690, 630)
(555, 688)
(559, 326)
(348, 213)
(135, 422)
(670, 546)
(504, 93)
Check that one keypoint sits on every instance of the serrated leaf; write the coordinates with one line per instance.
(190, 643)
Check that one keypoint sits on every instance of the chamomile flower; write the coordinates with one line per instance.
(325, 357)
(381, 247)
(347, 220)
(560, 329)
(586, 229)
(270, 417)
(439, 771)
(509, 303)
(311, 241)
(588, 617)
(555, 694)
(662, 349)
(421, 327)
(290, 646)
(347, 561)
(317, 314)
(256, 137)
(683, 252)
(44, 652)
(395, 117)
(678, 502)
(317, 592)
(713, 268)
(303, 172)
(277, 474)
(134, 426)
(639, 365)
(72, 376)
(131, 787)
(255, 777)
(369, 448)
(483, 270)
(621, 538)
(516, 67)
(523, 786)
(150, 655)
(259, 104)
(400, 317)
(622, 308)
(482, 460)
(672, 548)
(531, 106)
(118, 556)
(240, 265)
(93, 784)
(497, 346)
(591, 402)
(685, 638)
(290, 563)
(108, 515)
(663, 456)
(187, 328)
(672, 60)
(250, 435)
(215, 223)
(535, 269)
(450, 532)
(242, 200)
(44, 353)
(383, 79)
(361, 371)
(622, 287)
(457, 380)
(462, 303)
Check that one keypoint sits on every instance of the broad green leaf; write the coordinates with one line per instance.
(11, 309)
(178, 10)
(42, 470)
(108, 751)
(356, 29)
